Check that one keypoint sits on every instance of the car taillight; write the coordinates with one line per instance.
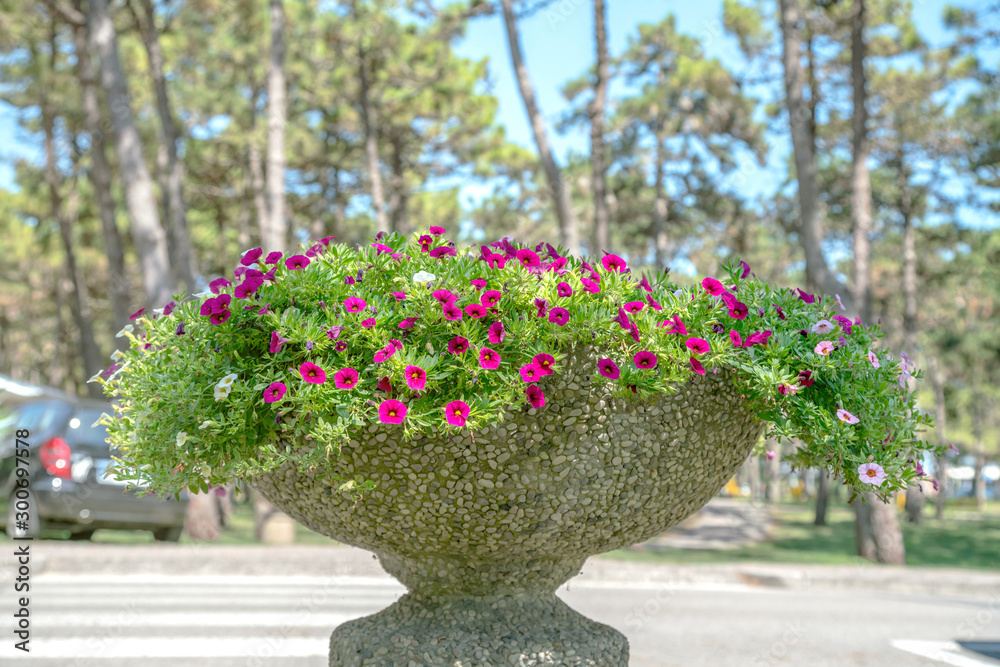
(55, 457)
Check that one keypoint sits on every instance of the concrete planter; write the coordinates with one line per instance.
(482, 530)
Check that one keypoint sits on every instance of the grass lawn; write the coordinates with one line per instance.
(964, 539)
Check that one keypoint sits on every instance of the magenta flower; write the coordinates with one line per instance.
(545, 362)
(634, 307)
(273, 257)
(312, 373)
(274, 392)
(248, 287)
(475, 310)
(746, 269)
(277, 342)
(563, 289)
(381, 248)
(416, 377)
(216, 305)
(488, 359)
(846, 417)
(368, 323)
(808, 298)
(678, 327)
(536, 397)
(644, 359)
(644, 284)
(436, 231)
(806, 379)
(456, 413)
(458, 345)
(333, 332)
(844, 322)
(590, 286)
(391, 411)
(251, 256)
(528, 258)
(345, 378)
(696, 366)
(218, 285)
(738, 310)
(396, 343)
(713, 286)
(490, 298)
(497, 333)
(531, 372)
(451, 312)
(169, 308)
(495, 261)
(444, 297)
(265, 309)
(349, 280)
(608, 369)
(543, 307)
(614, 263)
(399, 296)
(383, 354)
(354, 304)
(296, 262)
(340, 346)
(824, 347)
(559, 316)
(136, 314)
(698, 345)
(871, 473)
(408, 322)
(787, 389)
(734, 336)
(653, 303)
(219, 318)
(443, 251)
(384, 385)
(780, 311)
(425, 242)
(478, 283)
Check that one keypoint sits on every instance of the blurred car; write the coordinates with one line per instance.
(67, 460)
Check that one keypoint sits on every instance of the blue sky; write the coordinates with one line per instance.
(558, 46)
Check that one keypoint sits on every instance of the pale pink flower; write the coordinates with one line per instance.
(824, 347)
(847, 417)
(871, 473)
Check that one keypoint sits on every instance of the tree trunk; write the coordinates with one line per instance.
(879, 538)
(400, 197)
(257, 169)
(774, 476)
(274, 236)
(822, 497)
(660, 206)
(940, 422)
(861, 186)
(79, 306)
(203, 520)
(599, 170)
(978, 483)
(568, 232)
(371, 149)
(818, 275)
(147, 233)
(182, 260)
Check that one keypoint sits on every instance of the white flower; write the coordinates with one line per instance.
(207, 294)
(205, 424)
(96, 378)
(823, 327)
(227, 381)
(423, 277)
(103, 420)
(127, 329)
(222, 393)
(181, 438)
(117, 355)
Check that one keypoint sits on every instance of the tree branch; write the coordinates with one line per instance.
(66, 13)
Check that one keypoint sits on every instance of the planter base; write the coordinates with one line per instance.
(486, 631)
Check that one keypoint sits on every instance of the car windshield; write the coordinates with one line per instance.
(82, 428)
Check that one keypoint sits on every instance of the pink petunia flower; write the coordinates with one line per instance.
(770, 455)
(746, 269)
(478, 283)
(535, 396)
(806, 379)
(698, 345)
(543, 307)
(251, 256)
(296, 262)
(738, 310)
(653, 303)
(136, 314)
(312, 373)
(634, 307)
(458, 345)
(678, 327)
(545, 362)
(391, 411)
(169, 308)
(345, 378)
(396, 343)
(633, 330)
(531, 372)
(824, 347)
(528, 258)
(333, 332)
(456, 413)
(383, 354)
(274, 392)
(490, 298)
(496, 333)
(408, 322)
(436, 231)
(489, 359)
(839, 302)
(340, 346)
(563, 289)
(451, 312)
(713, 286)
(368, 323)
(614, 263)
(220, 318)
(416, 377)
(780, 311)
(590, 286)
(871, 473)
(273, 257)
(218, 285)
(787, 389)
(559, 316)
(873, 359)
(475, 310)
(644, 359)
(381, 248)
(823, 327)
(805, 296)
(444, 297)
(355, 304)
(696, 366)
(384, 385)
(644, 284)
(399, 296)
(442, 251)
(608, 369)
(425, 242)
(248, 287)
(734, 336)
(844, 322)
(277, 342)
(846, 417)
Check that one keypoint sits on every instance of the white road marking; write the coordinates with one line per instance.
(171, 647)
(943, 651)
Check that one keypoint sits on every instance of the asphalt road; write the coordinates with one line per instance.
(162, 620)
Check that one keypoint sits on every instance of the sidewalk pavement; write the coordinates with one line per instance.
(69, 558)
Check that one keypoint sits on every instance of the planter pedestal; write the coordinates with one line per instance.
(482, 528)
